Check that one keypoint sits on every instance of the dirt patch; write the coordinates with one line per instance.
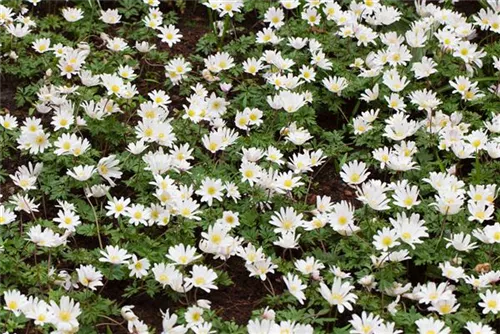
(7, 94)
(237, 301)
(328, 183)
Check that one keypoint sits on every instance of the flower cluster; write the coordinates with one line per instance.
(337, 158)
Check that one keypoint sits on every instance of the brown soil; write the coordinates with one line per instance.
(232, 303)
(193, 25)
(327, 182)
(237, 301)
(7, 94)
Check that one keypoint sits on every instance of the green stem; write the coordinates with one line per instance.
(442, 229)
(226, 26)
(440, 162)
(211, 21)
(355, 110)
(96, 222)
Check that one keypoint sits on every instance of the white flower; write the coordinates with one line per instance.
(295, 286)
(65, 314)
(89, 276)
(138, 267)
(114, 255)
(339, 294)
(490, 301)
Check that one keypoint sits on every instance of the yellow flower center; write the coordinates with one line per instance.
(408, 201)
(211, 191)
(355, 177)
(387, 241)
(64, 316)
(12, 305)
(216, 239)
(337, 298)
(196, 317)
(342, 220)
(104, 169)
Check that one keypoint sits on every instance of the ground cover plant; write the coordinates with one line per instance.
(229, 166)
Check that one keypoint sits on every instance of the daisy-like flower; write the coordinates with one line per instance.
(81, 173)
(373, 193)
(250, 172)
(461, 242)
(309, 266)
(41, 45)
(252, 66)
(285, 182)
(430, 325)
(138, 214)
(367, 323)
(445, 306)
(385, 239)
(110, 16)
(230, 218)
(8, 121)
(89, 276)
(117, 207)
(45, 238)
(67, 219)
(114, 255)
(405, 196)
(480, 211)
(108, 169)
(38, 310)
(490, 301)
(24, 203)
(451, 272)
(182, 254)
(478, 328)
(169, 324)
(354, 172)
(138, 267)
(312, 16)
(15, 301)
(65, 314)
(228, 7)
(210, 189)
(188, 209)
(342, 216)
(170, 35)
(409, 229)
(261, 268)
(202, 277)
(295, 286)
(275, 17)
(72, 14)
(194, 316)
(335, 84)
(339, 294)
(286, 220)
(6, 215)
(165, 273)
